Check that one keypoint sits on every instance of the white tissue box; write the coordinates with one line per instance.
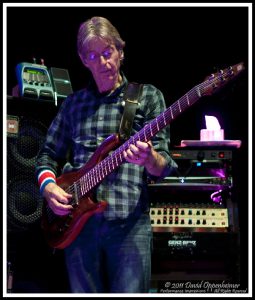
(212, 135)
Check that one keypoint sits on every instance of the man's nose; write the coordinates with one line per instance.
(102, 60)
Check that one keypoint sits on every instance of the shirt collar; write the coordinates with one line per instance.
(108, 97)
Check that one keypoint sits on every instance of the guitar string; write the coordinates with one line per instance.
(107, 165)
(104, 167)
(101, 168)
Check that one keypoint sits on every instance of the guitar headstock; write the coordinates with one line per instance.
(217, 80)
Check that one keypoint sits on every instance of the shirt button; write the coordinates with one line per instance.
(100, 118)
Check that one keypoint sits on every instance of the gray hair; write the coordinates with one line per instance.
(97, 27)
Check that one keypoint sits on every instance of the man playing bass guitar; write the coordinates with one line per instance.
(111, 251)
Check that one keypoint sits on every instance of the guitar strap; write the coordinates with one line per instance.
(131, 97)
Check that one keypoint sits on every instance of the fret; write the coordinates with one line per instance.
(157, 123)
(90, 180)
(179, 106)
(164, 120)
(98, 172)
(171, 112)
(111, 163)
(82, 185)
(107, 166)
(160, 122)
(78, 189)
(95, 176)
(198, 91)
(92, 177)
(85, 188)
(187, 97)
(145, 136)
(104, 173)
(148, 134)
(89, 184)
(86, 184)
(116, 160)
(119, 157)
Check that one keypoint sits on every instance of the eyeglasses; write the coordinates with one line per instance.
(94, 56)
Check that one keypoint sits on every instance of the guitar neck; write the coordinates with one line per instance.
(93, 177)
(212, 83)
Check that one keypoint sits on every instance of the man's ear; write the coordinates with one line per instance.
(121, 54)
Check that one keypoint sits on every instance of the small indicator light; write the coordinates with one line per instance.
(221, 155)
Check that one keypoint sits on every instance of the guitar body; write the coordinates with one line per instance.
(60, 231)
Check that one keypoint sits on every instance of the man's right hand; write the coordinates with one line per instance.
(57, 199)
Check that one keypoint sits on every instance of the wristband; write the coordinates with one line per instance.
(44, 178)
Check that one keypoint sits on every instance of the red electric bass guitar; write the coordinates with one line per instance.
(61, 231)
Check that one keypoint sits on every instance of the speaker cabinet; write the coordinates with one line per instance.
(24, 201)
(27, 125)
(33, 264)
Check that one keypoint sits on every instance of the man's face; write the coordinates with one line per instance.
(103, 60)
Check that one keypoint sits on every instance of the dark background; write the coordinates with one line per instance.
(173, 48)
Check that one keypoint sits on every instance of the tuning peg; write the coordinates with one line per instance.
(211, 76)
(221, 75)
(230, 70)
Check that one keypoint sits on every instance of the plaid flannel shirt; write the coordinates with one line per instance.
(84, 120)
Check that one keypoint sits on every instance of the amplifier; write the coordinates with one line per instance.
(201, 154)
(195, 182)
(213, 166)
(194, 244)
(194, 219)
(188, 256)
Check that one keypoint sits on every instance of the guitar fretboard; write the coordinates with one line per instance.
(94, 176)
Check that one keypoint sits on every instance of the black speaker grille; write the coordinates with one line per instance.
(24, 202)
(22, 150)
